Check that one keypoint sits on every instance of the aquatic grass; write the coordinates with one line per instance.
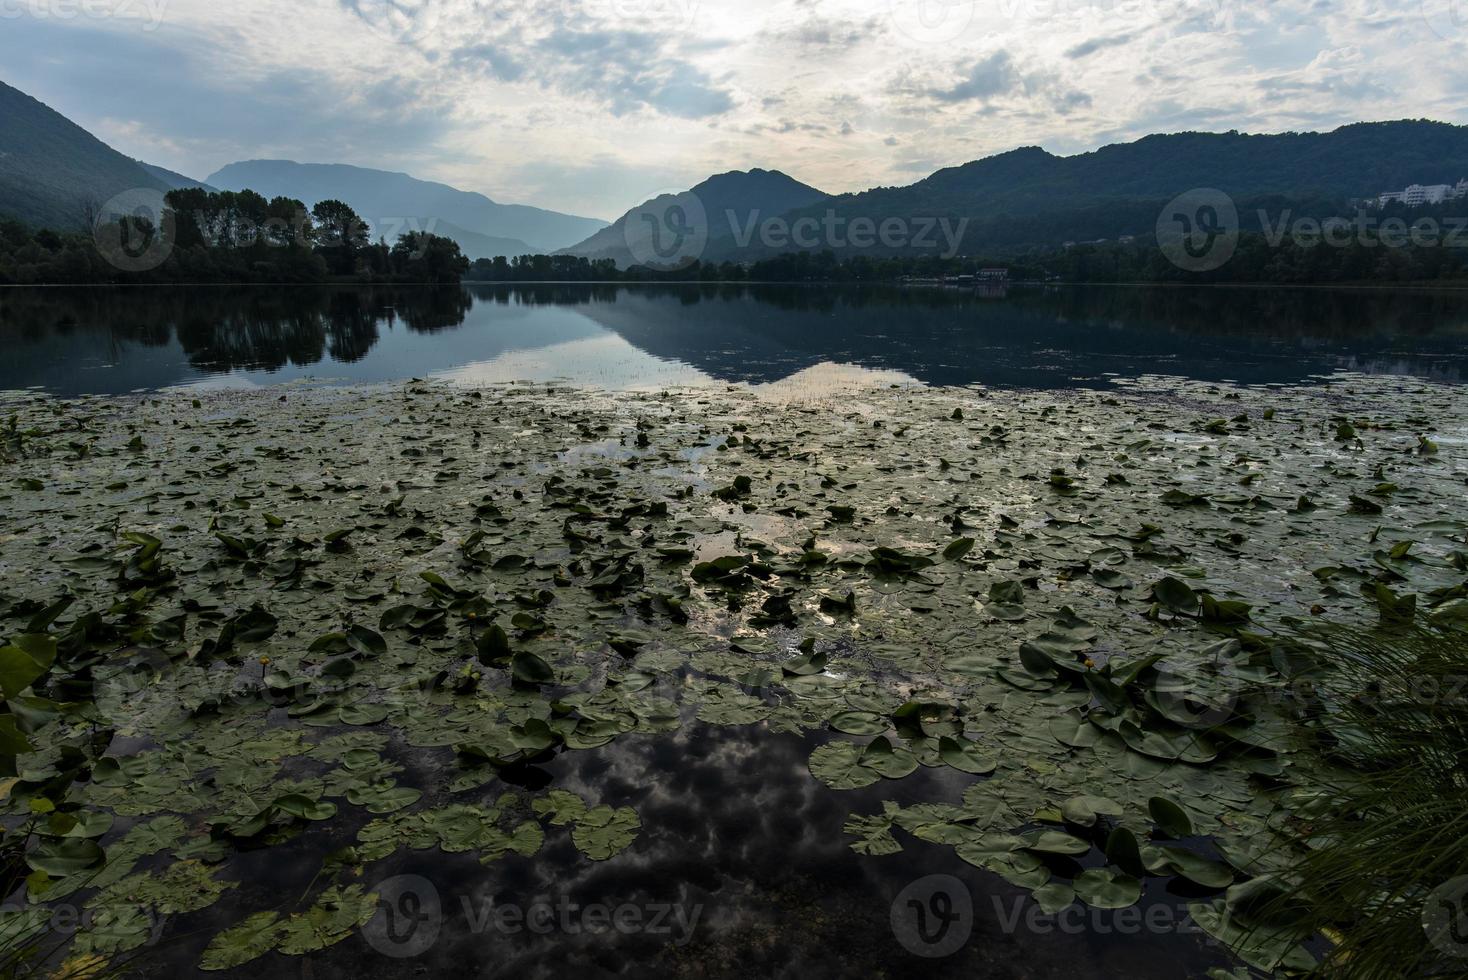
(1388, 832)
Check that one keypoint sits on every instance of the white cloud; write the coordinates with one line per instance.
(577, 105)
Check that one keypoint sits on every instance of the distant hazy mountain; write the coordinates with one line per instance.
(482, 227)
(53, 172)
(173, 180)
(753, 193)
(1031, 197)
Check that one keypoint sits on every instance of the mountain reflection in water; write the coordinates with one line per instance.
(108, 341)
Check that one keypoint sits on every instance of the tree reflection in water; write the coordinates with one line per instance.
(108, 340)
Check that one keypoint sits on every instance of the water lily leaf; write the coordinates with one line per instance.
(527, 668)
(860, 723)
(1075, 730)
(304, 808)
(966, 756)
(24, 661)
(958, 549)
(1003, 854)
(811, 663)
(1175, 595)
(336, 913)
(253, 938)
(367, 642)
(604, 832)
(1054, 897)
(494, 645)
(890, 762)
(1007, 593)
(1109, 578)
(66, 856)
(874, 835)
(1054, 842)
(1123, 851)
(1170, 818)
(384, 797)
(1181, 861)
(838, 765)
(1084, 811)
(363, 714)
(560, 807)
(1105, 889)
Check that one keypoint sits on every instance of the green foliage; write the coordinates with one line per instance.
(1392, 824)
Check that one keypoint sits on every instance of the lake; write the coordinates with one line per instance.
(803, 692)
(100, 341)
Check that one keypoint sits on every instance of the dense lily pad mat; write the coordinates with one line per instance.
(226, 621)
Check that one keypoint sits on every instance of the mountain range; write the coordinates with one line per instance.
(53, 173)
(1029, 197)
(482, 227)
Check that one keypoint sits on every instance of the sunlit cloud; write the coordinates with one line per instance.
(591, 106)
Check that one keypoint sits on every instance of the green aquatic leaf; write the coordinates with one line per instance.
(1054, 842)
(384, 797)
(367, 642)
(251, 939)
(527, 668)
(958, 549)
(874, 835)
(839, 766)
(1105, 889)
(560, 807)
(65, 856)
(860, 723)
(1170, 818)
(1181, 861)
(25, 660)
(1176, 596)
(336, 913)
(1054, 897)
(1084, 811)
(891, 762)
(966, 756)
(603, 832)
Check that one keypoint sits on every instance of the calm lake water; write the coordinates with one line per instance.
(109, 341)
(736, 831)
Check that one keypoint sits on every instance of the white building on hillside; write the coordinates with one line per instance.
(1419, 194)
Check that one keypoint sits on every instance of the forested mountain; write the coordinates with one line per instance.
(1031, 197)
(754, 193)
(53, 173)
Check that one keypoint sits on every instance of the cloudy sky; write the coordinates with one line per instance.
(591, 106)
